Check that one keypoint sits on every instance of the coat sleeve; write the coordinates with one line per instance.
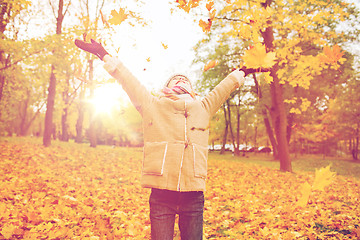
(137, 93)
(213, 101)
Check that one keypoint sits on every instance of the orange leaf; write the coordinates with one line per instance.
(205, 25)
(164, 45)
(183, 5)
(331, 55)
(210, 65)
(209, 6)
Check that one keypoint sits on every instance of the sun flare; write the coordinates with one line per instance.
(107, 98)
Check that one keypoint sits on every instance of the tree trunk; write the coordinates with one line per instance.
(5, 11)
(270, 133)
(222, 151)
(92, 127)
(269, 129)
(280, 124)
(355, 151)
(48, 130)
(49, 125)
(230, 125)
(236, 148)
(64, 126)
(280, 118)
(3, 62)
(2, 81)
(80, 120)
(23, 115)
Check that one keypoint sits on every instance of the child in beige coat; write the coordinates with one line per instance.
(175, 143)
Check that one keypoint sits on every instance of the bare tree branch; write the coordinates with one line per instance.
(233, 19)
(53, 9)
(67, 8)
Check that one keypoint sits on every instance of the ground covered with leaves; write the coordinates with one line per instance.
(72, 191)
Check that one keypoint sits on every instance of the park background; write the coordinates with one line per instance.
(61, 111)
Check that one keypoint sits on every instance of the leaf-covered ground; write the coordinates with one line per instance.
(71, 191)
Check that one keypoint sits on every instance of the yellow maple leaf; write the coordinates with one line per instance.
(305, 194)
(257, 57)
(118, 17)
(323, 178)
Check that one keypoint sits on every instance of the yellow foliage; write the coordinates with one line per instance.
(8, 230)
(257, 57)
(268, 79)
(72, 191)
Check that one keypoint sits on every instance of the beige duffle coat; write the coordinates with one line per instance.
(175, 131)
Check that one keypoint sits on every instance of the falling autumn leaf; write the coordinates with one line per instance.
(323, 178)
(257, 57)
(118, 17)
(164, 45)
(206, 26)
(148, 59)
(210, 65)
(305, 194)
(183, 5)
(209, 6)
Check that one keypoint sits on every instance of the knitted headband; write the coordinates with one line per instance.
(176, 75)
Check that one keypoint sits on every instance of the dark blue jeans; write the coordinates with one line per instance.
(165, 204)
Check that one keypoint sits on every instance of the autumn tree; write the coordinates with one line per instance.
(343, 115)
(20, 87)
(8, 11)
(49, 125)
(282, 27)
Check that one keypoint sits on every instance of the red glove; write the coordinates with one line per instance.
(93, 47)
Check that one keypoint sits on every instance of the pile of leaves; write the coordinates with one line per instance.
(76, 192)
